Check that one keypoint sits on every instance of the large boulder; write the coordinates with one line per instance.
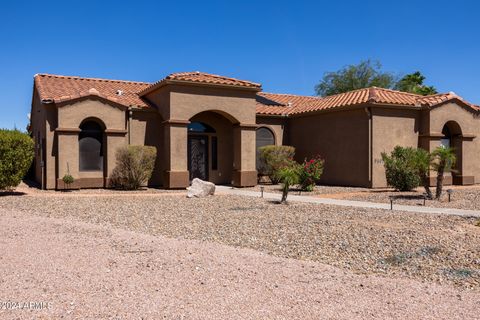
(200, 189)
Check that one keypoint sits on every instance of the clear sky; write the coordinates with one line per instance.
(285, 45)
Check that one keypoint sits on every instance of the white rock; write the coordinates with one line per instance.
(200, 189)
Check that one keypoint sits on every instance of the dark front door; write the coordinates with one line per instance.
(198, 157)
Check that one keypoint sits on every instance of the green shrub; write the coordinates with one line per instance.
(288, 176)
(68, 179)
(310, 173)
(401, 168)
(16, 155)
(273, 158)
(134, 167)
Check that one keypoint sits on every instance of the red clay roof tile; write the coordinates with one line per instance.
(62, 88)
(305, 104)
(202, 77)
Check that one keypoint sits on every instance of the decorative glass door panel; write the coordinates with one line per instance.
(198, 157)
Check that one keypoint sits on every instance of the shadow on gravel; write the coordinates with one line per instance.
(11, 193)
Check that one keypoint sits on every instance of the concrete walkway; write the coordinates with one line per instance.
(350, 203)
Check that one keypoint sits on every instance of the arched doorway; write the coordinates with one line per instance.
(200, 137)
(452, 138)
(91, 146)
(210, 148)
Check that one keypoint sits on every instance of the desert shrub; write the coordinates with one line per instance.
(401, 168)
(274, 158)
(288, 176)
(310, 172)
(134, 166)
(16, 155)
(68, 179)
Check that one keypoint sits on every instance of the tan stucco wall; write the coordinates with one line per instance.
(70, 117)
(146, 129)
(38, 127)
(179, 104)
(391, 127)
(341, 138)
(470, 125)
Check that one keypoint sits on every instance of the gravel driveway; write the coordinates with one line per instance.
(90, 271)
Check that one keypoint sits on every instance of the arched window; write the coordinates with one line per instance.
(446, 140)
(200, 127)
(264, 137)
(90, 142)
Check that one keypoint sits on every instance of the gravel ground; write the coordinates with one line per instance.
(86, 271)
(463, 197)
(427, 247)
(319, 190)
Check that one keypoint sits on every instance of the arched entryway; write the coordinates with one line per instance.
(91, 146)
(210, 147)
(452, 138)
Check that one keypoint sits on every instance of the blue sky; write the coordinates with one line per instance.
(285, 45)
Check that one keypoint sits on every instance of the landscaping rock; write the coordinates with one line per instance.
(200, 189)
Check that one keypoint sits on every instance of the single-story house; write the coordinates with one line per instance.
(210, 126)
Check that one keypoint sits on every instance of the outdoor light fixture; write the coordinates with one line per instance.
(449, 191)
(261, 190)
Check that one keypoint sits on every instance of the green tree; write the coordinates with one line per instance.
(16, 156)
(423, 160)
(443, 161)
(363, 75)
(288, 176)
(413, 83)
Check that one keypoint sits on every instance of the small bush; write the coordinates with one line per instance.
(16, 155)
(68, 179)
(288, 176)
(274, 158)
(401, 168)
(310, 173)
(134, 167)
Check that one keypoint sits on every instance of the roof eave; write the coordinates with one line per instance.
(165, 82)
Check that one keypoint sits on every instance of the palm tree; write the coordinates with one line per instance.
(423, 160)
(288, 176)
(444, 160)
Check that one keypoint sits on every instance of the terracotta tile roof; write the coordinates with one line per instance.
(276, 104)
(63, 88)
(201, 77)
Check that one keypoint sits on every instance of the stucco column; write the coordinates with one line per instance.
(67, 159)
(244, 165)
(175, 154)
(114, 139)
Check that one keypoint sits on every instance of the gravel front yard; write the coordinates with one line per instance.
(395, 244)
(76, 270)
(463, 197)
